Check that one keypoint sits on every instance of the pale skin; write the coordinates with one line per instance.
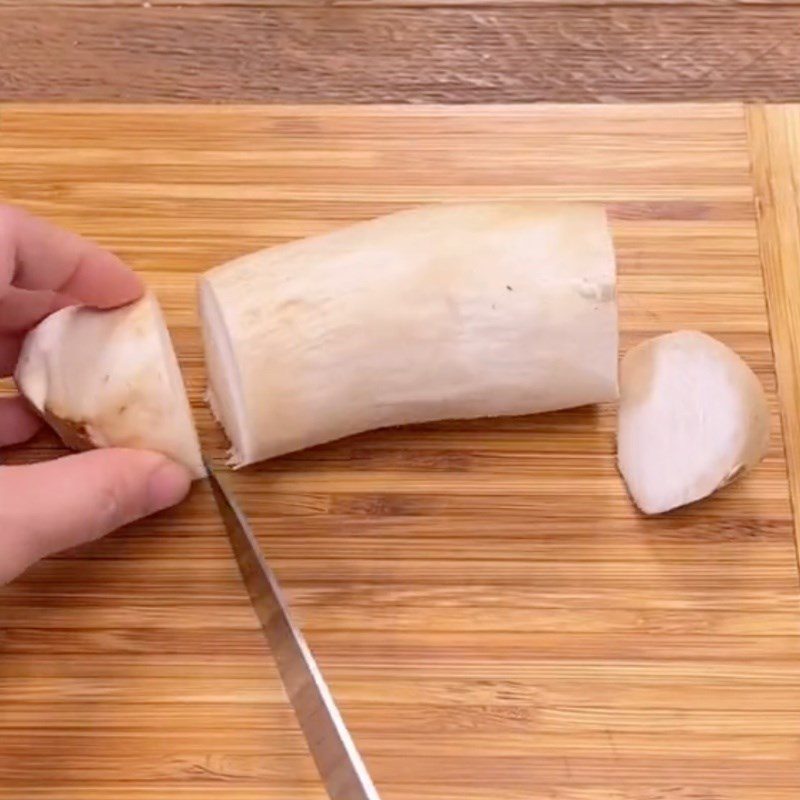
(52, 506)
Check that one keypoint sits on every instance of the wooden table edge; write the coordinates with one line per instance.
(774, 147)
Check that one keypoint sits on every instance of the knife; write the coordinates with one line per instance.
(339, 764)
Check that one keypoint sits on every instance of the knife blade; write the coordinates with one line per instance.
(337, 759)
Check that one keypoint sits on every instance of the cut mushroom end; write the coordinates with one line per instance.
(693, 417)
(224, 392)
(110, 379)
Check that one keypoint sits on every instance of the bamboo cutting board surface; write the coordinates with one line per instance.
(494, 618)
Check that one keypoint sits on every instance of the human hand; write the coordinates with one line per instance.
(52, 506)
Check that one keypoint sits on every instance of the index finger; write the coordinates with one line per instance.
(37, 255)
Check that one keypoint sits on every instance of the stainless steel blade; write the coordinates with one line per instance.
(340, 766)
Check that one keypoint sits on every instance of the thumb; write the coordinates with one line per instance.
(62, 503)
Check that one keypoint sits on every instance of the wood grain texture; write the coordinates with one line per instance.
(88, 5)
(495, 619)
(775, 147)
(245, 53)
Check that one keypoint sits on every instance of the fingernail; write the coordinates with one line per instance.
(168, 485)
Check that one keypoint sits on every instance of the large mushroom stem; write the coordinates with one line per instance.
(451, 311)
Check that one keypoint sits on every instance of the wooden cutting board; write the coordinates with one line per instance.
(495, 619)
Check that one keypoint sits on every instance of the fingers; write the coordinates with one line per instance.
(59, 504)
(21, 309)
(17, 422)
(36, 255)
(10, 345)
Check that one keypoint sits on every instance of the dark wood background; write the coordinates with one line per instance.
(398, 50)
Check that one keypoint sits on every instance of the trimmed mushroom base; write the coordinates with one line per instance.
(692, 418)
(452, 311)
(110, 379)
